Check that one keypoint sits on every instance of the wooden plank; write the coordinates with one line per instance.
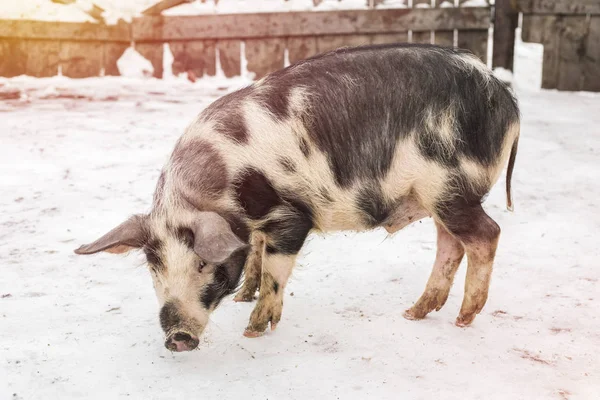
(571, 52)
(159, 7)
(532, 28)
(505, 23)
(112, 52)
(443, 37)
(264, 55)
(180, 57)
(64, 30)
(81, 59)
(591, 63)
(196, 56)
(154, 53)
(577, 7)
(475, 41)
(421, 36)
(332, 42)
(300, 48)
(551, 41)
(13, 57)
(42, 58)
(285, 24)
(210, 57)
(384, 38)
(230, 57)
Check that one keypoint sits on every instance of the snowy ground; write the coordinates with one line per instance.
(79, 157)
(126, 10)
(120, 9)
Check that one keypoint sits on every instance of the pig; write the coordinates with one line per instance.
(354, 139)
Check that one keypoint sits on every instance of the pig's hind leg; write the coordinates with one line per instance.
(479, 234)
(448, 257)
(252, 270)
(466, 220)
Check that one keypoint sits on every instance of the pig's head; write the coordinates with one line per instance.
(193, 266)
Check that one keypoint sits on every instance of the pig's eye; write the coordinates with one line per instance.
(201, 265)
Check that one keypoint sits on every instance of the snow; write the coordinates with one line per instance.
(503, 74)
(126, 10)
(133, 65)
(475, 3)
(79, 156)
(48, 11)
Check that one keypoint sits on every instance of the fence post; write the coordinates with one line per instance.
(474, 40)
(505, 22)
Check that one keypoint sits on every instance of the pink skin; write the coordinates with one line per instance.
(181, 345)
(449, 255)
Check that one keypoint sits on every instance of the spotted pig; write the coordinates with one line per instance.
(354, 139)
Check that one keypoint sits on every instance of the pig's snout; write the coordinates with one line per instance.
(181, 341)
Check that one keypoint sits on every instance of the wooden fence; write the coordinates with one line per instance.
(570, 33)
(38, 48)
(85, 49)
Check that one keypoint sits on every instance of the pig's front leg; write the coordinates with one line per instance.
(284, 237)
(252, 270)
(276, 272)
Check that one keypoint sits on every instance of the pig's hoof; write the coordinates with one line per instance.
(252, 334)
(410, 315)
(244, 297)
(463, 321)
(267, 311)
(432, 299)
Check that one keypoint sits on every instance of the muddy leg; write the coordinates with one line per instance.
(479, 235)
(449, 255)
(284, 237)
(276, 272)
(252, 270)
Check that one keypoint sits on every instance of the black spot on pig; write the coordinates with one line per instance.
(275, 287)
(288, 233)
(233, 126)
(216, 290)
(200, 167)
(256, 194)
(225, 281)
(459, 212)
(152, 249)
(382, 94)
(370, 201)
(238, 226)
(227, 114)
(287, 164)
(324, 193)
(432, 148)
(304, 148)
(275, 98)
(170, 316)
(185, 235)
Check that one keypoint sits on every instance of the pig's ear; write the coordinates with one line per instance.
(129, 235)
(214, 241)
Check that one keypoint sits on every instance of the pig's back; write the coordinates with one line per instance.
(366, 122)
